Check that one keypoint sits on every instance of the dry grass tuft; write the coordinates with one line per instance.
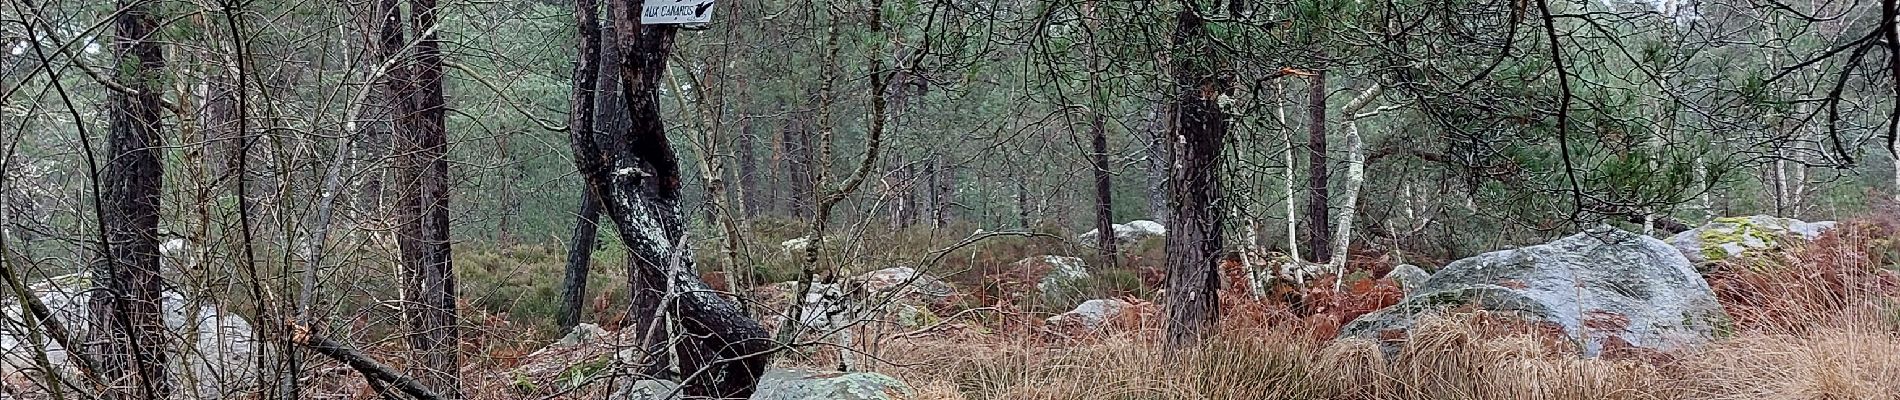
(1815, 321)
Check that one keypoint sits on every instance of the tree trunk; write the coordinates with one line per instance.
(1098, 146)
(580, 256)
(1160, 159)
(798, 158)
(748, 189)
(581, 118)
(1318, 175)
(422, 212)
(1355, 177)
(706, 336)
(129, 335)
(1890, 15)
(1194, 240)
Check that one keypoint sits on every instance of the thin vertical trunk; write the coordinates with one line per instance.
(798, 159)
(1160, 159)
(1292, 216)
(1318, 174)
(748, 190)
(932, 198)
(1098, 145)
(422, 213)
(1890, 16)
(1194, 242)
(580, 256)
(372, 123)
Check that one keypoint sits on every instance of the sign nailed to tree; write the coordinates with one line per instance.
(676, 12)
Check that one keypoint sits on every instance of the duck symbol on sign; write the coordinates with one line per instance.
(700, 11)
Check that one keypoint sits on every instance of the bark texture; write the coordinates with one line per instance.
(422, 205)
(130, 332)
(1318, 174)
(1194, 240)
(582, 115)
(695, 335)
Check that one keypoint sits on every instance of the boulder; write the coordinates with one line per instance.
(1732, 237)
(1091, 315)
(648, 389)
(902, 293)
(218, 360)
(1603, 287)
(908, 283)
(584, 333)
(801, 384)
(1055, 273)
(794, 245)
(1133, 231)
(789, 384)
(1409, 277)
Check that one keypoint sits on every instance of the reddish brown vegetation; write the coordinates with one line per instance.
(1831, 277)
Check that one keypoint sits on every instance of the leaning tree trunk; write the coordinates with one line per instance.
(1194, 243)
(422, 212)
(691, 333)
(596, 107)
(129, 336)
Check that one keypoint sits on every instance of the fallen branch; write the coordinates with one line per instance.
(373, 371)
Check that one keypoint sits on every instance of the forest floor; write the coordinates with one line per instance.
(1814, 321)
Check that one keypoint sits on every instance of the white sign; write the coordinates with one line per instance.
(676, 12)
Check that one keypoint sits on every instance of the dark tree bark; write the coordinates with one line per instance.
(748, 190)
(422, 212)
(1194, 240)
(602, 103)
(933, 192)
(580, 256)
(1318, 228)
(1098, 148)
(1104, 201)
(129, 337)
(798, 157)
(720, 352)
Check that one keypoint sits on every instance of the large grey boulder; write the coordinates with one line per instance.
(907, 283)
(789, 384)
(1409, 277)
(801, 384)
(1058, 274)
(210, 350)
(1604, 287)
(1726, 238)
(1091, 315)
(649, 389)
(1133, 231)
(898, 294)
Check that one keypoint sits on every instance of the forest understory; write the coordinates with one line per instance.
(949, 199)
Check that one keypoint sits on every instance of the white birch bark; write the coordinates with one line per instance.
(1355, 177)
